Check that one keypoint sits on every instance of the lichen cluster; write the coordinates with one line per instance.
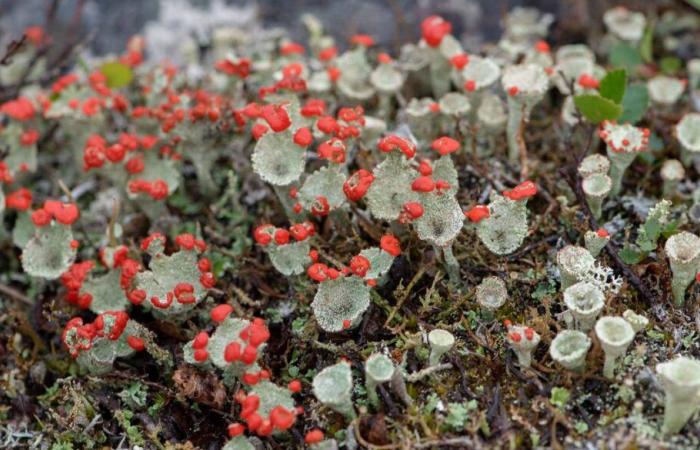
(325, 245)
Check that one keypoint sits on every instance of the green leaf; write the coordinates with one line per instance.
(625, 56)
(613, 85)
(634, 103)
(694, 3)
(559, 396)
(118, 74)
(670, 65)
(670, 228)
(652, 229)
(596, 108)
(646, 46)
(630, 255)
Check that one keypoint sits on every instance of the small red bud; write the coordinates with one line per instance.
(529, 333)
(135, 343)
(423, 184)
(250, 354)
(235, 429)
(314, 436)
(201, 355)
(303, 137)
(220, 312)
(137, 296)
(250, 379)
(478, 213)
(390, 244)
(200, 341)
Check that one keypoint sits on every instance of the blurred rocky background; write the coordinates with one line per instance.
(104, 26)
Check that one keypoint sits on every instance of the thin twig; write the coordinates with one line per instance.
(461, 441)
(15, 294)
(65, 190)
(405, 294)
(244, 298)
(12, 48)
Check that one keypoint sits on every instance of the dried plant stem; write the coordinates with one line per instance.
(15, 294)
(405, 294)
(65, 190)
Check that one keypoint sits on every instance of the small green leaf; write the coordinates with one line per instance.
(656, 335)
(670, 228)
(596, 108)
(613, 85)
(653, 230)
(694, 3)
(634, 103)
(118, 74)
(670, 65)
(559, 396)
(630, 255)
(646, 46)
(625, 56)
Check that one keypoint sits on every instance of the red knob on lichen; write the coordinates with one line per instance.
(445, 145)
(314, 436)
(135, 343)
(423, 184)
(522, 191)
(478, 213)
(357, 185)
(359, 265)
(390, 244)
(434, 29)
(220, 312)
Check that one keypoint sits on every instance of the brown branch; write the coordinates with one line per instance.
(15, 294)
(56, 64)
(12, 48)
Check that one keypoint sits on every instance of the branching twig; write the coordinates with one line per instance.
(405, 294)
(416, 376)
